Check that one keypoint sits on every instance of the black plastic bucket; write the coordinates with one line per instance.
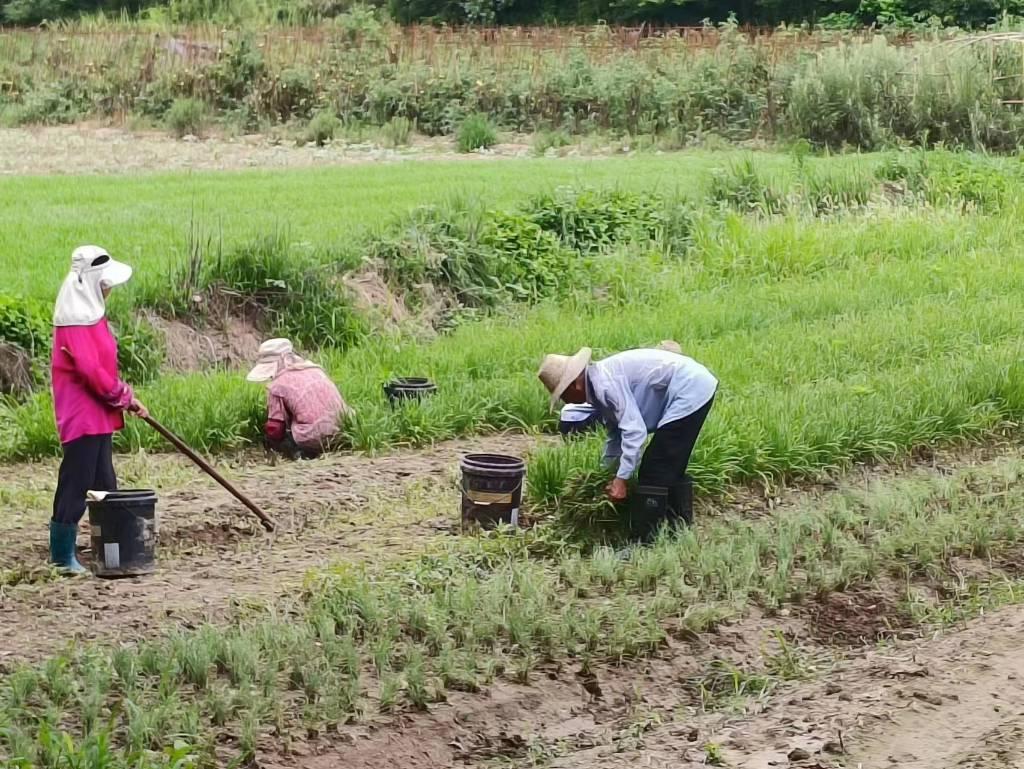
(653, 505)
(408, 388)
(492, 490)
(123, 530)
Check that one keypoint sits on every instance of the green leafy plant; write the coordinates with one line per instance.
(398, 131)
(186, 117)
(322, 128)
(476, 132)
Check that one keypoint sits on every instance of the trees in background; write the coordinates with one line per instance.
(834, 13)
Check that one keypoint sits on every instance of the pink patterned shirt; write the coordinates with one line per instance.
(309, 403)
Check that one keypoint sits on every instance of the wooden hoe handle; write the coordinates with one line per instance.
(180, 445)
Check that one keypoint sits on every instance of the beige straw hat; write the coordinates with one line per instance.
(669, 346)
(557, 372)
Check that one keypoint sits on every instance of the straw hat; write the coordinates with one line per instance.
(557, 372)
(669, 346)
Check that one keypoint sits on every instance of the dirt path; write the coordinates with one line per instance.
(212, 554)
(954, 700)
(88, 149)
(950, 701)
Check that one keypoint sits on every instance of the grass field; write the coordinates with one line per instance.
(147, 219)
(832, 336)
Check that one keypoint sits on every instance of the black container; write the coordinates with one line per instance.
(653, 505)
(123, 530)
(408, 388)
(492, 490)
(650, 507)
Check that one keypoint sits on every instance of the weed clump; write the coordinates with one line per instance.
(276, 284)
(397, 132)
(322, 128)
(186, 117)
(476, 132)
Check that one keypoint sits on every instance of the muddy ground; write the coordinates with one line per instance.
(865, 688)
(213, 553)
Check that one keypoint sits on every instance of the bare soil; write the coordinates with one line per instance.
(231, 343)
(867, 691)
(213, 554)
(97, 149)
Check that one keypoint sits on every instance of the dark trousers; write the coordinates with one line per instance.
(668, 454)
(88, 465)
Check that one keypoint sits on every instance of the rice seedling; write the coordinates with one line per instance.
(388, 695)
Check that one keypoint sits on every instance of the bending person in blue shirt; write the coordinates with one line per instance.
(638, 392)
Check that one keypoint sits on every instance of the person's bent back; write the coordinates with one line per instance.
(306, 404)
(305, 410)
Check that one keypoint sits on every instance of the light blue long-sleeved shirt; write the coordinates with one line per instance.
(638, 391)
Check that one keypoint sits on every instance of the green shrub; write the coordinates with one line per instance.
(322, 128)
(589, 220)
(140, 349)
(550, 140)
(744, 188)
(293, 94)
(285, 288)
(475, 133)
(950, 178)
(398, 132)
(237, 72)
(185, 117)
(957, 179)
(54, 103)
(27, 324)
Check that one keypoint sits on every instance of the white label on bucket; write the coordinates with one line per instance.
(515, 516)
(111, 555)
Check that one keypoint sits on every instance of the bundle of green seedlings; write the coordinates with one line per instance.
(400, 636)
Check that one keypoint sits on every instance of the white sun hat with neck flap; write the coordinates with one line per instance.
(277, 356)
(80, 301)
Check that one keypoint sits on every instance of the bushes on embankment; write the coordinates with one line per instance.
(864, 93)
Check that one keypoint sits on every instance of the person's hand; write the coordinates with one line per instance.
(138, 409)
(617, 491)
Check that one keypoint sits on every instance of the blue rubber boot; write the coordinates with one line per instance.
(62, 548)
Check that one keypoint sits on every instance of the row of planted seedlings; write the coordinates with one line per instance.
(362, 641)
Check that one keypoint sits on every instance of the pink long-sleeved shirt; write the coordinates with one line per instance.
(88, 394)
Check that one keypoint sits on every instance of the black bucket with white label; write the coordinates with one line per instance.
(123, 531)
(492, 490)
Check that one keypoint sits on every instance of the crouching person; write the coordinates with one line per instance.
(305, 411)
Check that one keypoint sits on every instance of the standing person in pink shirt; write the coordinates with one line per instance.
(304, 408)
(89, 397)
